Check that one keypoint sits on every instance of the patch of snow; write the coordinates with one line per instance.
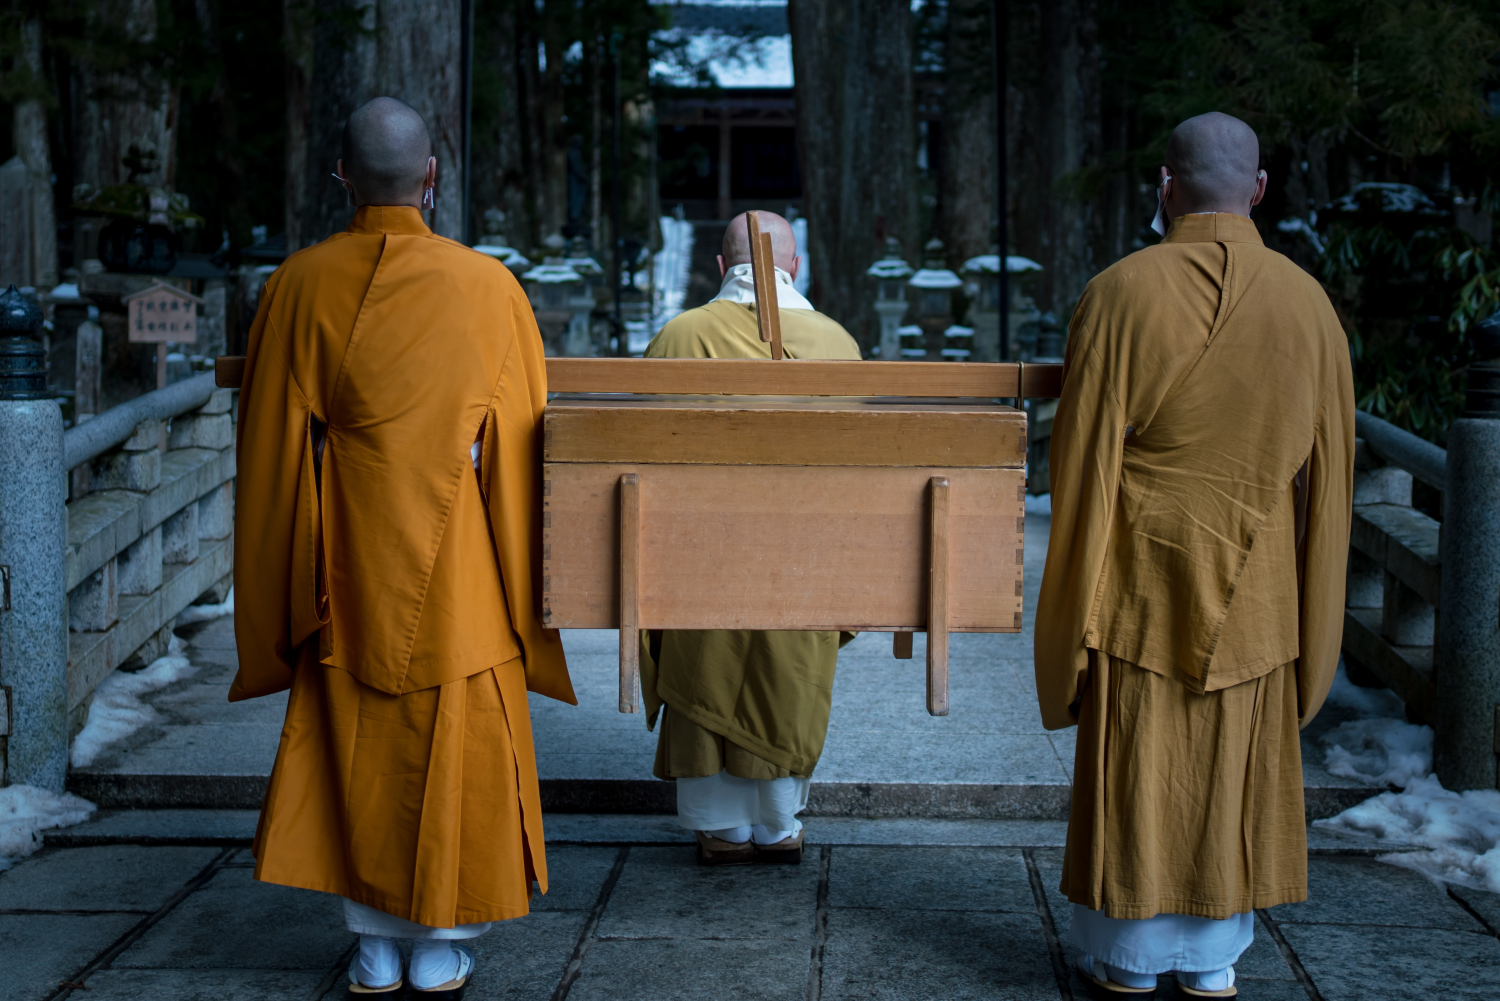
(117, 710)
(204, 613)
(1379, 752)
(26, 810)
(1460, 832)
(1457, 834)
(673, 268)
(1368, 702)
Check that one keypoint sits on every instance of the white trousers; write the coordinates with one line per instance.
(723, 801)
(363, 920)
(1164, 943)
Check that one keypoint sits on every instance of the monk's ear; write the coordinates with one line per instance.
(1260, 188)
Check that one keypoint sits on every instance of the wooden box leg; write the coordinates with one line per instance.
(630, 582)
(901, 645)
(937, 602)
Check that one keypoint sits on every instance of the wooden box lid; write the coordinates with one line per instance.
(784, 431)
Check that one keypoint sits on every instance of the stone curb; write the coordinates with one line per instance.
(959, 801)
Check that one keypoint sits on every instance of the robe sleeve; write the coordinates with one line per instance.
(270, 511)
(1325, 547)
(512, 475)
(1087, 443)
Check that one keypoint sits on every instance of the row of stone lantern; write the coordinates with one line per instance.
(928, 291)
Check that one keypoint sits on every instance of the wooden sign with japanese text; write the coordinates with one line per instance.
(163, 313)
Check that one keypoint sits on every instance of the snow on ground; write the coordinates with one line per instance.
(1380, 748)
(27, 810)
(202, 613)
(1457, 834)
(117, 710)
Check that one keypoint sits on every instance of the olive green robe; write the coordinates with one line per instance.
(753, 703)
(1191, 610)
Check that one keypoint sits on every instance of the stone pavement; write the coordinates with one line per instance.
(161, 905)
(885, 757)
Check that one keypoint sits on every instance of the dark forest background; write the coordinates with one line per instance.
(1378, 123)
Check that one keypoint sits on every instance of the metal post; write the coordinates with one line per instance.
(622, 340)
(1467, 666)
(1000, 20)
(33, 538)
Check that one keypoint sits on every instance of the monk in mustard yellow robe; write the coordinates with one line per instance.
(1192, 606)
(746, 712)
(387, 553)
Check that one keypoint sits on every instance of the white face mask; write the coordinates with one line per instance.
(1159, 222)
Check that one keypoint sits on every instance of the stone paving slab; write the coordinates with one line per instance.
(642, 920)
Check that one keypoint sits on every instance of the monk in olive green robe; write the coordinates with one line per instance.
(743, 713)
(1191, 610)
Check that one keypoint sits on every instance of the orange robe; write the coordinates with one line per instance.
(388, 583)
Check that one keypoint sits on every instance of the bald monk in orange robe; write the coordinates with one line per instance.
(387, 553)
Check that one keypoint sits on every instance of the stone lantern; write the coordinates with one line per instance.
(931, 294)
(983, 286)
(891, 274)
(556, 291)
(492, 243)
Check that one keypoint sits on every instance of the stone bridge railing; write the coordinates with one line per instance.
(146, 530)
(1395, 571)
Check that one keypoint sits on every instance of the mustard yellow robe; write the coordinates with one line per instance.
(754, 703)
(388, 583)
(1192, 606)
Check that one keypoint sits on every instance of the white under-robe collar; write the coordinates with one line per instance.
(739, 286)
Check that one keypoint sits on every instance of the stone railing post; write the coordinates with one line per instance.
(1467, 665)
(33, 537)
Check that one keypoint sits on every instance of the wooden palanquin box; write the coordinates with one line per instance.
(887, 497)
(757, 512)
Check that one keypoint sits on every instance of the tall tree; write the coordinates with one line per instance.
(341, 54)
(967, 181)
(29, 128)
(856, 135)
(1059, 126)
(124, 119)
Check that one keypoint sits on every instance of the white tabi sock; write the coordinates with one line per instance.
(763, 835)
(1213, 980)
(434, 961)
(735, 835)
(378, 962)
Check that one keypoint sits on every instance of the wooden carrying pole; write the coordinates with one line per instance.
(763, 274)
(751, 377)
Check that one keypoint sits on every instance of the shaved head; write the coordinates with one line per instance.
(1213, 161)
(386, 148)
(737, 240)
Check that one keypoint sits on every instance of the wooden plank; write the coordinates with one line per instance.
(758, 377)
(901, 644)
(630, 578)
(808, 432)
(988, 380)
(937, 600)
(782, 547)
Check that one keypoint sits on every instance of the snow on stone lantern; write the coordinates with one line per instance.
(492, 243)
(599, 300)
(891, 274)
(555, 289)
(983, 287)
(931, 292)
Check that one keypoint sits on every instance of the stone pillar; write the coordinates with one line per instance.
(890, 313)
(1467, 665)
(34, 629)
